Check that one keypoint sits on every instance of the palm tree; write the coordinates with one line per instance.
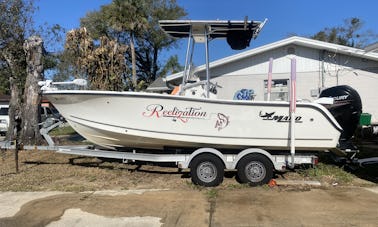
(128, 18)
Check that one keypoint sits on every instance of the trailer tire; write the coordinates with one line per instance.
(255, 169)
(207, 170)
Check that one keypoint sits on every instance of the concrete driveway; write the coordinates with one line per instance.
(198, 207)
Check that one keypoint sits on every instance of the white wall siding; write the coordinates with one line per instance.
(232, 83)
(366, 84)
(259, 64)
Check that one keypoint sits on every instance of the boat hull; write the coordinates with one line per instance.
(155, 121)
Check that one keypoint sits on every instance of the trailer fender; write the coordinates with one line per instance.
(254, 151)
(213, 151)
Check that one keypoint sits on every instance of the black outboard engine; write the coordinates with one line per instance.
(346, 109)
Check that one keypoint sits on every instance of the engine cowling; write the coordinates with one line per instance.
(346, 109)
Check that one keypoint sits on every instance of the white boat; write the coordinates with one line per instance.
(187, 120)
(144, 120)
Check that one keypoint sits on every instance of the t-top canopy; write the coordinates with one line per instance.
(238, 33)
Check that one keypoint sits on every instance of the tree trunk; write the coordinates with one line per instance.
(33, 48)
(133, 61)
(14, 107)
(14, 86)
(155, 66)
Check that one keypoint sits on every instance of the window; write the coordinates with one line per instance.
(4, 110)
(279, 91)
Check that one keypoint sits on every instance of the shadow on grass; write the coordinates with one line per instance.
(365, 172)
(368, 148)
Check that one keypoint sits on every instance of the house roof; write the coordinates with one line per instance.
(372, 47)
(294, 40)
(158, 85)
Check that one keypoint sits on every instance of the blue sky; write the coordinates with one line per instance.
(284, 17)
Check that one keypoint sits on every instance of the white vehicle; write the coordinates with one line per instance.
(49, 112)
(194, 128)
(4, 119)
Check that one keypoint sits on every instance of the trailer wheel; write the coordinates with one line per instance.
(207, 170)
(255, 169)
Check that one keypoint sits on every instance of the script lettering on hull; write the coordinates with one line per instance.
(157, 110)
(185, 114)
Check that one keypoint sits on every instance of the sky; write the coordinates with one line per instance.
(286, 17)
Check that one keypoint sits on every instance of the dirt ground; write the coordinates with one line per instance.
(177, 202)
(47, 170)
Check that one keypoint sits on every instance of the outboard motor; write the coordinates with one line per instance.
(346, 109)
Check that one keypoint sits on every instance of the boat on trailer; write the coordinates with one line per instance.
(196, 130)
(195, 118)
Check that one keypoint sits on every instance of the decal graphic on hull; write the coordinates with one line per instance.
(278, 118)
(222, 121)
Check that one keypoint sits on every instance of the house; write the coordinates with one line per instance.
(319, 65)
